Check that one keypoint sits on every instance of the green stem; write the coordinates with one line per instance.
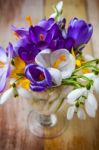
(86, 65)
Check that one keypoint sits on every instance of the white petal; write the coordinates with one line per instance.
(88, 57)
(92, 100)
(89, 109)
(59, 6)
(70, 112)
(24, 93)
(56, 75)
(56, 54)
(43, 58)
(90, 75)
(6, 95)
(81, 114)
(75, 94)
(96, 85)
(53, 15)
(68, 69)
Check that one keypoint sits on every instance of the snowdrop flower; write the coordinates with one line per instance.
(78, 99)
(14, 92)
(58, 11)
(60, 63)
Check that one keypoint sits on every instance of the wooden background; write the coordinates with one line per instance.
(14, 134)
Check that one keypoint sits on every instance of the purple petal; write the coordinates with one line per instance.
(37, 88)
(10, 51)
(20, 31)
(46, 24)
(69, 43)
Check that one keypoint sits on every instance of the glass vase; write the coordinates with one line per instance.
(47, 119)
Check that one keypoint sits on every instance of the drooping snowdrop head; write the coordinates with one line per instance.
(60, 63)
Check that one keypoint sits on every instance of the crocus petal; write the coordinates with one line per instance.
(10, 51)
(75, 94)
(20, 31)
(3, 77)
(70, 112)
(56, 76)
(24, 93)
(6, 95)
(55, 56)
(3, 57)
(92, 100)
(68, 69)
(96, 84)
(81, 114)
(37, 88)
(43, 58)
(89, 109)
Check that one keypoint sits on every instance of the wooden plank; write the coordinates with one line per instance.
(79, 135)
(93, 13)
(14, 133)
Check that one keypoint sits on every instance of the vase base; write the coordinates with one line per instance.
(49, 129)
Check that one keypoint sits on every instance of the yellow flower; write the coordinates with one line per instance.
(18, 69)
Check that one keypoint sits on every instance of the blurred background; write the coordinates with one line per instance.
(15, 11)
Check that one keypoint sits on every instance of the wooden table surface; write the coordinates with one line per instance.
(14, 134)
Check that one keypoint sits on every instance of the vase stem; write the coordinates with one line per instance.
(47, 120)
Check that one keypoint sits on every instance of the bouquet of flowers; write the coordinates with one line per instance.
(48, 56)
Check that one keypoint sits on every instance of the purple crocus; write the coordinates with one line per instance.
(78, 34)
(5, 65)
(47, 39)
(40, 78)
(26, 50)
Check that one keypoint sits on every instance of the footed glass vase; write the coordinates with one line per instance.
(46, 120)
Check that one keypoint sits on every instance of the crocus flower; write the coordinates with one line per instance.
(78, 34)
(40, 78)
(89, 103)
(26, 50)
(5, 67)
(46, 39)
(60, 63)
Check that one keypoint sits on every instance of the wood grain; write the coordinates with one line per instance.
(14, 133)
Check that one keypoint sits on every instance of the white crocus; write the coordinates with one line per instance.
(60, 63)
(89, 103)
(14, 92)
